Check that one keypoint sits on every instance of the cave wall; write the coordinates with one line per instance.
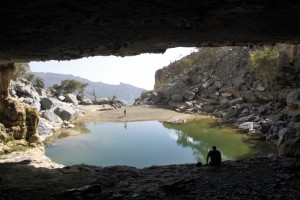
(18, 120)
(62, 30)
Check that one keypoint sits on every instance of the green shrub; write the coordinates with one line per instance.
(265, 62)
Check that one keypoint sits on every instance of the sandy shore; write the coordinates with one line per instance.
(137, 113)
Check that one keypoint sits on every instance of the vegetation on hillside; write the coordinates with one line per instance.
(22, 70)
(265, 62)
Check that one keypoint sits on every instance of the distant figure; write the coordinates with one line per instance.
(125, 112)
(215, 157)
(125, 125)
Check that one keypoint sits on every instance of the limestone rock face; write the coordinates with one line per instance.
(19, 119)
(6, 72)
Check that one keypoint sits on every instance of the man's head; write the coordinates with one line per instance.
(214, 147)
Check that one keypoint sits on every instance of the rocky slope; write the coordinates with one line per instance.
(226, 87)
(124, 92)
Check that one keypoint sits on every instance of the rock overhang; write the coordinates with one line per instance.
(63, 30)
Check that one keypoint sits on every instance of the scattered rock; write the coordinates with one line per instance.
(71, 98)
(254, 135)
(290, 148)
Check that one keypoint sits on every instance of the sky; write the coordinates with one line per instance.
(137, 70)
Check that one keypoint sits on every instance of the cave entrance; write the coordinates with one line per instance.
(109, 76)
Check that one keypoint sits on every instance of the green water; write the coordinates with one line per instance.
(143, 144)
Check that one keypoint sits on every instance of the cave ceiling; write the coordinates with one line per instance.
(70, 29)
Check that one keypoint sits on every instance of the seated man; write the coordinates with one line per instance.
(215, 157)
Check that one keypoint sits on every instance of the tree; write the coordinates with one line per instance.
(68, 86)
(94, 95)
(82, 87)
(22, 70)
(265, 62)
(56, 90)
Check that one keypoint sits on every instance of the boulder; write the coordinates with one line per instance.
(293, 99)
(156, 97)
(218, 84)
(175, 105)
(231, 112)
(36, 105)
(189, 96)
(296, 117)
(260, 88)
(86, 101)
(39, 83)
(262, 110)
(177, 98)
(235, 101)
(80, 97)
(61, 98)
(35, 96)
(71, 98)
(47, 103)
(209, 108)
(246, 126)
(223, 104)
(41, 92)
(52, 117)
(246, 119)
(28, 100)
(238, 81)
(101, 101)
(256, 135)
(285, 134)
(265, 127)
(45, 130)
(290, 148)
(12, 92)
(65, 112)
(208, 83)
(296, 127)
(189, 104)
(23, 89)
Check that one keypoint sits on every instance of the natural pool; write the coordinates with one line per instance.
(147, 143)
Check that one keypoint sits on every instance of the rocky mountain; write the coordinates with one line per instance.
(222, 82)
(124, 92)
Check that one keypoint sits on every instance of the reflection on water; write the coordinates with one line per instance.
(142, 144)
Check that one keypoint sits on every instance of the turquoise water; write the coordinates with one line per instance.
(147, 143)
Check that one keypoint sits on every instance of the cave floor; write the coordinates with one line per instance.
(253, 178)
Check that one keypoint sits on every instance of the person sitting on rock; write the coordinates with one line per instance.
(215, 157)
